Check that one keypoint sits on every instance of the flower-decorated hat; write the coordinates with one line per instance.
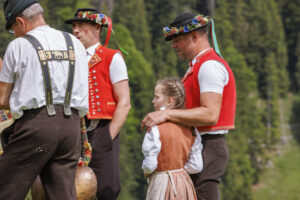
(89, 15)
(188, 22)
(94, 16)
(185, 23)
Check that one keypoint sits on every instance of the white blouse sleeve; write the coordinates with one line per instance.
(195, 163)
(151, 148)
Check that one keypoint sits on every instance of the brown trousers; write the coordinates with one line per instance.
(39, 144)
(215, 158)
(105, 161)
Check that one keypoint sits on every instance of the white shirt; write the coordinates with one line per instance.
(117, 69)
(152, 146)
(22, 67)
(212, 77)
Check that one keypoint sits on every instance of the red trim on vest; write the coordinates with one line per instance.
(102, 103)
(192, 89)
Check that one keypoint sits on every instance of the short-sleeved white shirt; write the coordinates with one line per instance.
(212, 77)
(117, 69)
(22, 67)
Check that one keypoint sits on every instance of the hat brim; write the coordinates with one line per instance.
(171, 37)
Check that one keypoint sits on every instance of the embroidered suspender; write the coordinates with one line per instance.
(44, 57)
(71, 53)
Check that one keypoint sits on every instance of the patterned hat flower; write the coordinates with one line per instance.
(100, 19)
(198, 22)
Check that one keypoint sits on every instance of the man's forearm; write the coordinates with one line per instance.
(200, 116)
(119, 119)
(5, 92)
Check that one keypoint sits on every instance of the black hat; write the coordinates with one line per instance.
(89, 15)
(13, 8)
(185, 23)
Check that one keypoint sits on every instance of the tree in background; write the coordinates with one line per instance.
(133, 15)
(5, 37)
(291, 19)
(160, 13)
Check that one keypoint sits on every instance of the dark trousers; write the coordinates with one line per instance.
(105, 161)
(39, 144)
(215, 158)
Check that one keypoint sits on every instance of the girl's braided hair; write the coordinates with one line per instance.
(172, 87)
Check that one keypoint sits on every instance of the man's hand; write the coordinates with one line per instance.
(154, 118)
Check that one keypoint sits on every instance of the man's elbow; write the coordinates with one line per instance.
(212, 120)
(126, 107)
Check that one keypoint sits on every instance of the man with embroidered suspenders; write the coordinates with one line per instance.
(109, 99)
(210, 98)
(44, 82)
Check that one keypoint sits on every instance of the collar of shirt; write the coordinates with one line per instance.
(91, 50)
(195, 58)
(42, 27)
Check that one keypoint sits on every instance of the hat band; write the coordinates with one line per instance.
(94, 17)
(198, 22)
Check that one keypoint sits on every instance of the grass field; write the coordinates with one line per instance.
(282, 182)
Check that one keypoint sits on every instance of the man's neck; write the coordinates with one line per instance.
(92, 44)
(34, 23)
(200, 48)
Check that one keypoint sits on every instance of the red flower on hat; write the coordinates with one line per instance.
(200, 18)
(173, 31)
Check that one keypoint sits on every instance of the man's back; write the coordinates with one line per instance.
(22, 67)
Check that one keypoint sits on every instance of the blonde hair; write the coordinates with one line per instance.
(172, 87)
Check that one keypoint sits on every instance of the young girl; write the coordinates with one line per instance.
(171, 151)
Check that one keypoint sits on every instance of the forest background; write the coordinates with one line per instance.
(259, 38)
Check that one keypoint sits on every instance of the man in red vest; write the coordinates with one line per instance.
(109, 99)
(210, 98)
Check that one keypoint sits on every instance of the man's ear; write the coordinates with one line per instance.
(20, 20)
(98, 28)
(195, 35)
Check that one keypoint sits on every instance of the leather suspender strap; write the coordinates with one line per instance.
(44, 57)
(44, 64)
(71, 53)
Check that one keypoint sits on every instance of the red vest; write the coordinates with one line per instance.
(192, 89)
(176, 143)
(102, 103)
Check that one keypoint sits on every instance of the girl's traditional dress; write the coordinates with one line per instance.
(171, 153)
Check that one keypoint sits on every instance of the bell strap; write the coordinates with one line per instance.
(86, 148)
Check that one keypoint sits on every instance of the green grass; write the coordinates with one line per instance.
(282, 181)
